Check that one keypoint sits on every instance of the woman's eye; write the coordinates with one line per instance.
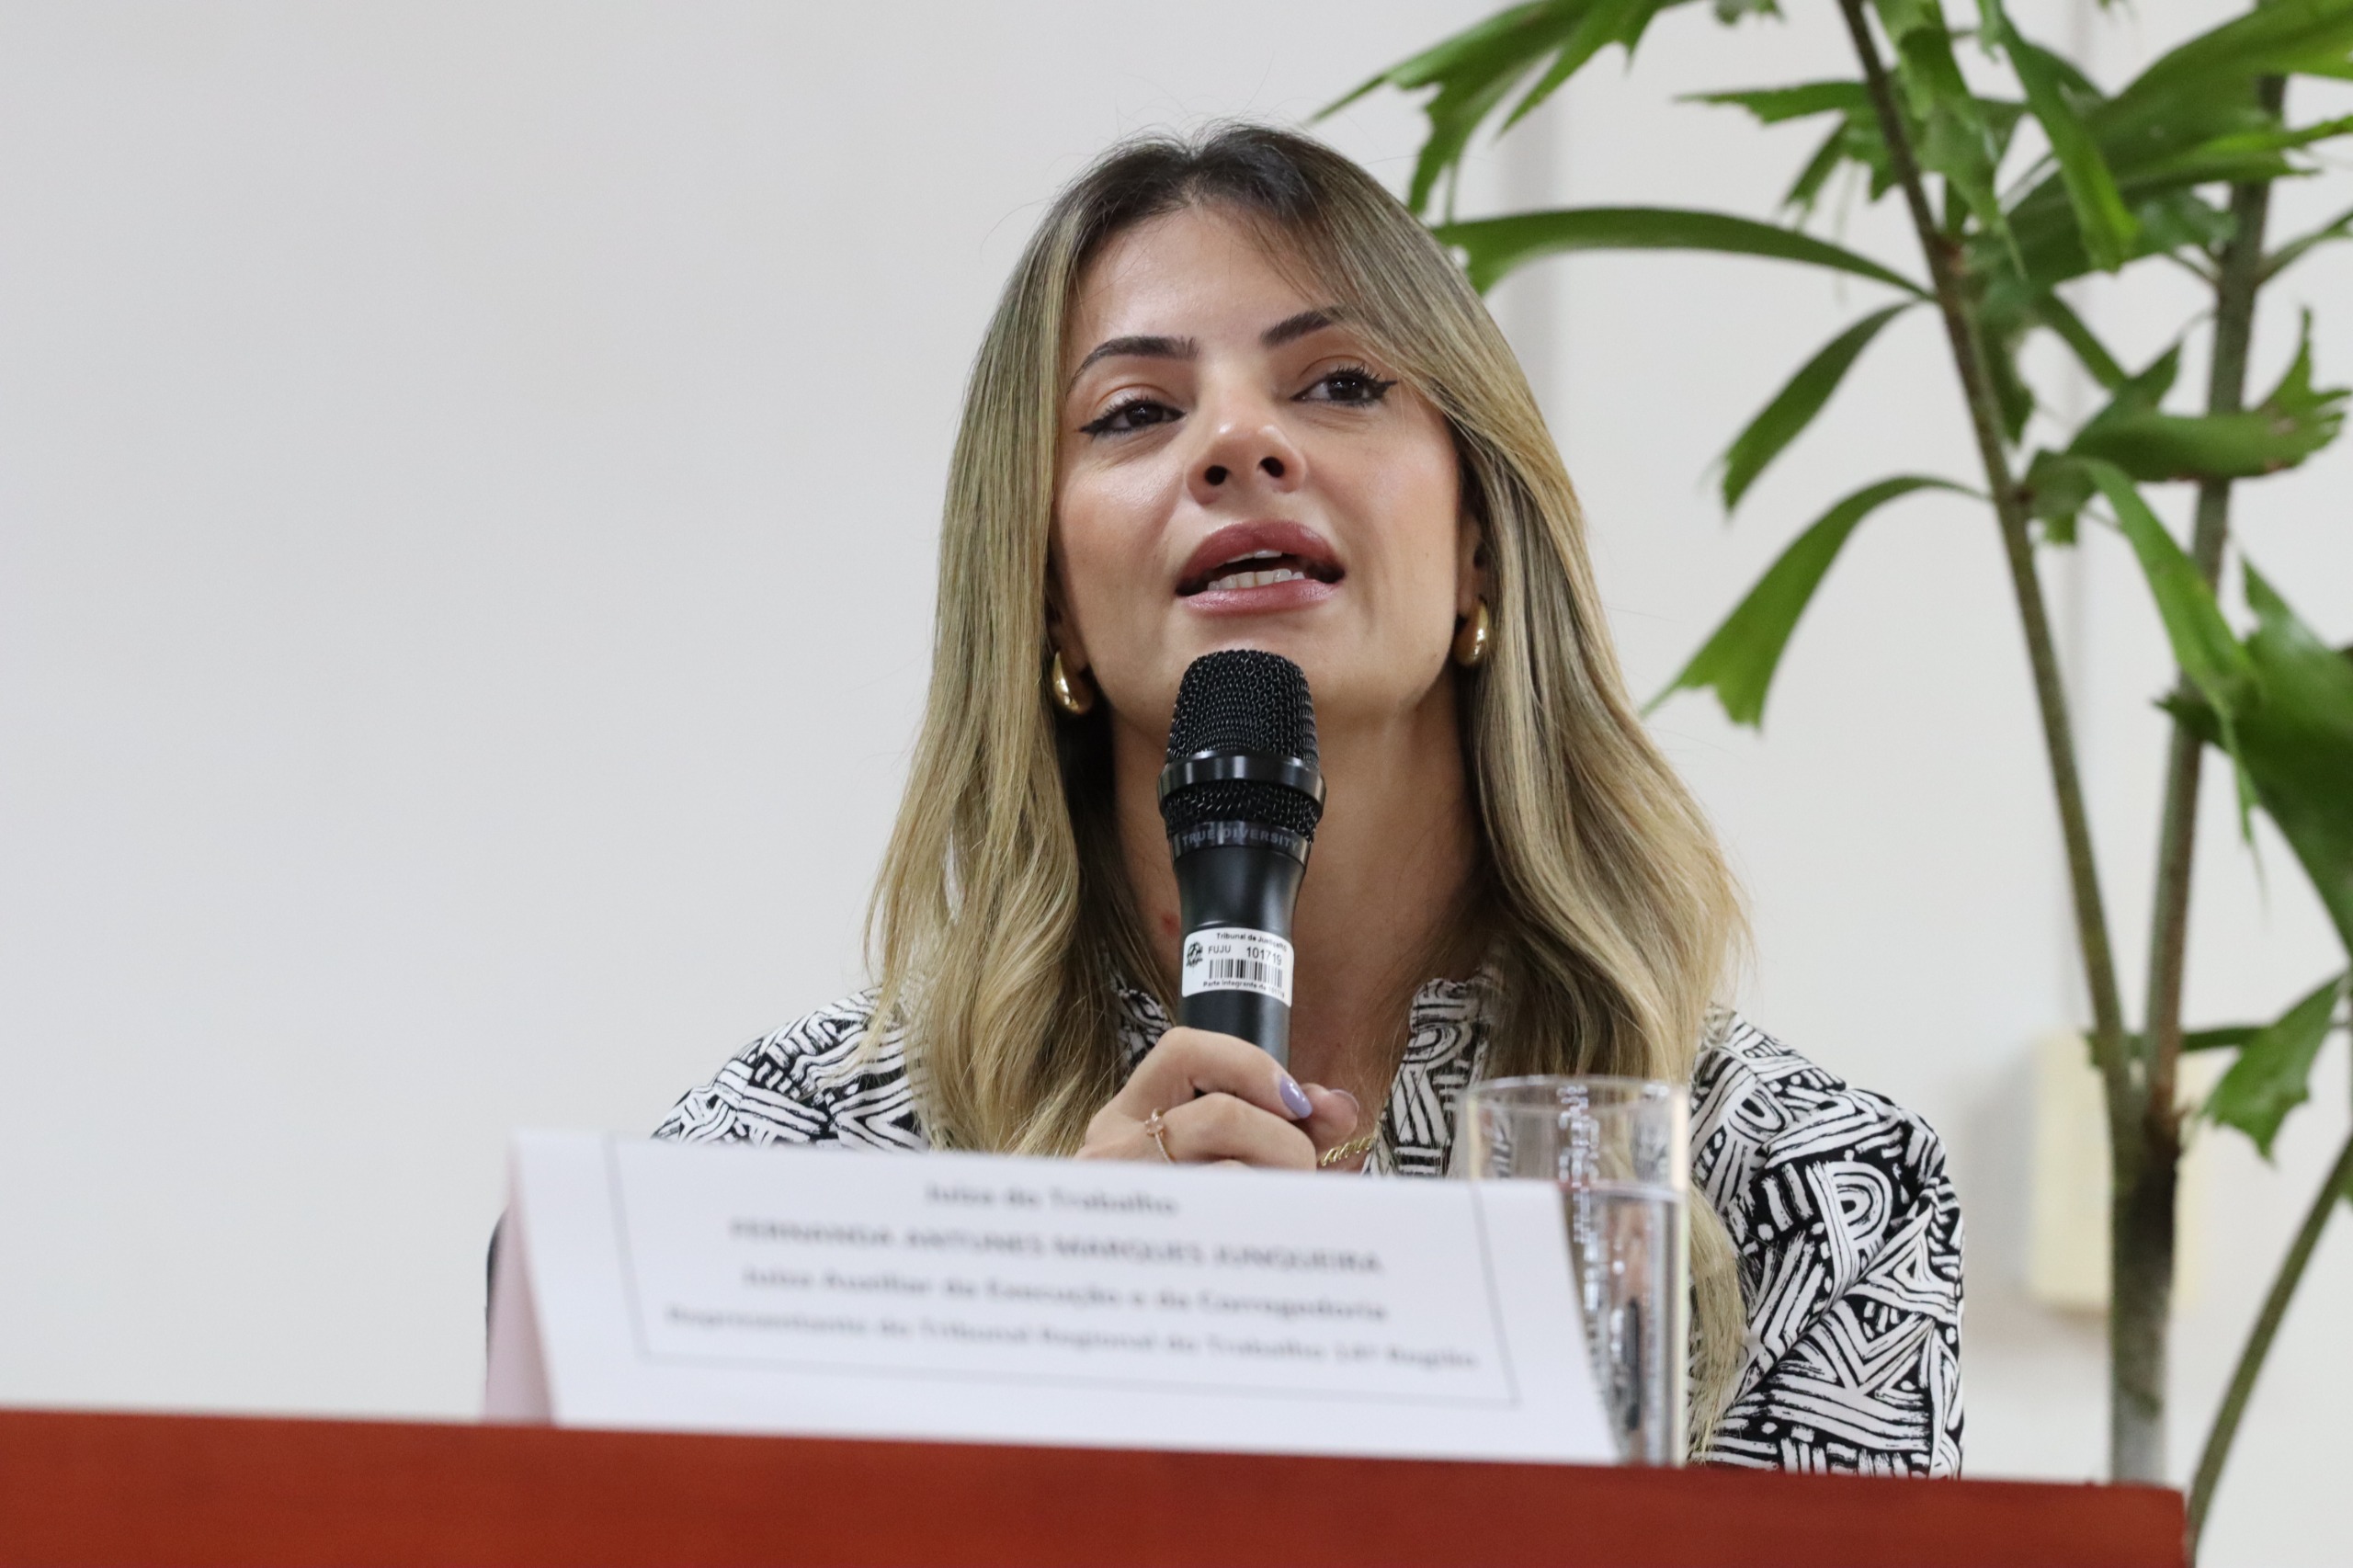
(1136, 413)
(1354, 384)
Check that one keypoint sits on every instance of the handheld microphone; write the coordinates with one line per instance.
(1241, 796)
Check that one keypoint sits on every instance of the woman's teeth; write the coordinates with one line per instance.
(1256, 579)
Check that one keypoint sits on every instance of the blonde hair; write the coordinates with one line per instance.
(1002, 928)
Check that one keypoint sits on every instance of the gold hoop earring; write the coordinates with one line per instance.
(1472, 640)
(1071, 697)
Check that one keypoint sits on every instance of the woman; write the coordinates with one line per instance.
(1234, 395)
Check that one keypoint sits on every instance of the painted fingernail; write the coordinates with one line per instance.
(1294, 1098)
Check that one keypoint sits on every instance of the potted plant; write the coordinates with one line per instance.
(2014, 193)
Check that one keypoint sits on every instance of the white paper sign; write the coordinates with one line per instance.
(972, 1297)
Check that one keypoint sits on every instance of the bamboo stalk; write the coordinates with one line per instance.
(2142, 1229)
(2146, 1172)
(2237, 280)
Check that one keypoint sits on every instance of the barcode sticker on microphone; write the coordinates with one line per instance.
(1236, 958)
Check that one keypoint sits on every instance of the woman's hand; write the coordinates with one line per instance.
(1219, 1098)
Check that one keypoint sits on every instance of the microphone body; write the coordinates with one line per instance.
(1236, 903)
(1241, 796)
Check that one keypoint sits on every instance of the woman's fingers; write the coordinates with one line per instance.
(1220, 1127)
(1215, 1129)
(1188, 1064)
(1335, 1118)
(1219, 1099)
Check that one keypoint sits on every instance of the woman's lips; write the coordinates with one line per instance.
(1257, 567)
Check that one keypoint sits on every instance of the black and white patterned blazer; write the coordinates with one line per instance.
(1837, 1199)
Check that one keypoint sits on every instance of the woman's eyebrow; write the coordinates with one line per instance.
(1156, 347)
(1139, 349)
(1300, 326)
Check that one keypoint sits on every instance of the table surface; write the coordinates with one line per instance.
(120, 1489)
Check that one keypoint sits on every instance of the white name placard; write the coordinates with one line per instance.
(977, 1298)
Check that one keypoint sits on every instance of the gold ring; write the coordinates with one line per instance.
(1155, 1128)
(1348, 1151)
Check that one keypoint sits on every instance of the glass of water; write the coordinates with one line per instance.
(1619, 1149)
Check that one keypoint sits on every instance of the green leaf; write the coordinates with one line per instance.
(2016, 398)
(1806, 189)
(2145, 389)
(2058, 96)
(2230, 1037)
(2046, 247)
(2055, 489)
(2299, 751)
(2279, 39)
(2193, 117)
(2273, 1073)
(1772, 106)
(2001, 118)
(2195, 113)
(1857, 138)
(1609, 21)
(2287, 256)
(2133, 396)
(2255, 153)
(2090, 352)
(2165, 154)
(1954, 137)
(2202, 645)
(1739, 660)
(2298, 745)
(1794, 406)
(1472, 73)
(2202, 640)
(1475, 70)
(1494, 247)
(2294, 421)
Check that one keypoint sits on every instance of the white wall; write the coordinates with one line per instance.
(467, 480)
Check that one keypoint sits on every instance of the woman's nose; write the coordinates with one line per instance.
(1245, 457)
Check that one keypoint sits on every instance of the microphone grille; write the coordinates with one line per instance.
(1242, 700)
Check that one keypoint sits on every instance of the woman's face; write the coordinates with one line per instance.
(1237, 469)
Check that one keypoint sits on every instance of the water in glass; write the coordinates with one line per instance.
(1619, 1151)
(1626, 1248)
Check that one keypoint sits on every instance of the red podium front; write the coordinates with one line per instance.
(124, 1490)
